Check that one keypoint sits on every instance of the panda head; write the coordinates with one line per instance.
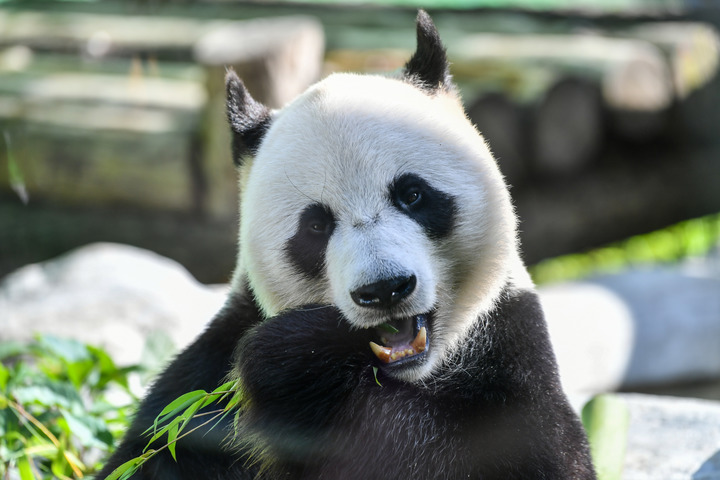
(378, 196)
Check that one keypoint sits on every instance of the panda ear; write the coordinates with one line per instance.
(428, 68)
(249, 119)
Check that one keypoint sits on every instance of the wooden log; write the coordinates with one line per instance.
(133, 136)
(568, 127)
(500, 121)
(277, 59)
(92, 34)
(634, 74)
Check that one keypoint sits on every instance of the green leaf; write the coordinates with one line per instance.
(375, 370)
(59, 465)
(4, 376)
(67, 349)
(388, 328)
(25, 469)
(109, 371)
(162, 431)
(78, 372)
(172, 440)
(173, 409)
(49, 393)
(182, 402)
(126, 470)
(91, 431)
(12, 348)
(606, 419)
(189, 412)
(236, 397)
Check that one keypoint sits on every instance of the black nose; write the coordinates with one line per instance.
(385, 293)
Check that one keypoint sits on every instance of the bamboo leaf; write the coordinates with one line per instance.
(181, 403)
(175, 407)
(126, 470)
(172, 440)
(159, 433)
(375, 371)
(25, 469)
(389, 328)
(189, 413)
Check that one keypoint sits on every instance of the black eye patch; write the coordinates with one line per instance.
(306, 248)
(432, 209)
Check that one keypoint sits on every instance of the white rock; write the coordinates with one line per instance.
(109, 295)
(672, 439)
(637, 328)
(592, 333)
(676, 318)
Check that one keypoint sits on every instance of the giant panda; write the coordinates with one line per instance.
(381, 323)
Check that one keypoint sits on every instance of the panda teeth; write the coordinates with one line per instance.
(383, 353)
(420, 341)
(392, 354)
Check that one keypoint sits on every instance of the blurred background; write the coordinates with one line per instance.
(604, 116)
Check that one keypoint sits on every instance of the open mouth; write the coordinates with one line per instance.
(402, 341)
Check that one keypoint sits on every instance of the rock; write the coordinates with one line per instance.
(592, 333)
(109, 295)
(672, 438)
(639, 328)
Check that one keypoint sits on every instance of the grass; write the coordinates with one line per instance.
(683, 240)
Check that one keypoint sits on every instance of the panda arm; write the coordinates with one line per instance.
(204, 364)
(297, 370)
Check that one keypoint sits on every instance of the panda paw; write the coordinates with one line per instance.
(297, 368)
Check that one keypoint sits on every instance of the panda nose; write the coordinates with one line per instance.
(385, 293)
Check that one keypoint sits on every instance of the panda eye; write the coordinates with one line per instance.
(318, 227)
(317, 222)
(412, 197)
(409, 197)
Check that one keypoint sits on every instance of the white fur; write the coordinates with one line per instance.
(341, 144)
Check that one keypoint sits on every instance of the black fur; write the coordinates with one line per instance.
(306, 249)
(495, 411)
(249, 119)
(316, 411)
(203, 365)
(428, 68)
(432, 209)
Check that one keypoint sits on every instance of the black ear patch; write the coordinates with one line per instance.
(249, 119)
(428, 68)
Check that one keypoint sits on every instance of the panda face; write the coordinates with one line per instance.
(369, 194)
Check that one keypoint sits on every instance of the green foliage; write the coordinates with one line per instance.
(606, 419)
(175, 417)
(57, 417)
(686, 239)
